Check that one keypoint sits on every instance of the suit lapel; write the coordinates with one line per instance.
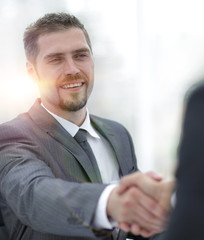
(108, 133)
(49, 124)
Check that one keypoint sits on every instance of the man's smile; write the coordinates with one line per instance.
(72, 85)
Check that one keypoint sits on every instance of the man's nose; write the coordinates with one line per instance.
(70, 67)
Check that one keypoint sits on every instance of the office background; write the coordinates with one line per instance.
(147, 53)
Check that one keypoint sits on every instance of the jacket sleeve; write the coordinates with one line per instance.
(39, 199)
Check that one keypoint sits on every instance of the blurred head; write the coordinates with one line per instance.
(52, 22)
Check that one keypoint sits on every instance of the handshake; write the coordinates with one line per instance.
(141, 203)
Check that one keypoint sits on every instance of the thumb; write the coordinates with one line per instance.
(155, 176)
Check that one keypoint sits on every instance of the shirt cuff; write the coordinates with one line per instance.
(173, 200)
(100, 219)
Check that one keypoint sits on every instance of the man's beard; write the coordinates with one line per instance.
(73, 106)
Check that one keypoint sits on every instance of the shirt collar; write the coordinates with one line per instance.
(88, 127)
(72, 128)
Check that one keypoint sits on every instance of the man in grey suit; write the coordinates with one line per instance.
(50, 189)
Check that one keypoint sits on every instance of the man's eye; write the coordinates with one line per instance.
(55, 60)
(82, 55)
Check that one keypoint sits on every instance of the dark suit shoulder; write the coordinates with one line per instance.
(196, 90)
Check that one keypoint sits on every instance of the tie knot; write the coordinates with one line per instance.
(81, 136)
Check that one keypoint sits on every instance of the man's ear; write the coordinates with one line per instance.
(31, 70)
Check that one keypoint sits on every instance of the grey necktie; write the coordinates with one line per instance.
(81, 138)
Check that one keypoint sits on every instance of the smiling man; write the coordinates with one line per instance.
(57, 161)
(64, 70)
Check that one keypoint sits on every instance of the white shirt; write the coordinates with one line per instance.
(106, 160)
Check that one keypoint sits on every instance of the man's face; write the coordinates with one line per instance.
(65, 70)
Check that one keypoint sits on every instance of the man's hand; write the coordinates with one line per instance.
(134, 206)
(135, 228)
(161, 191)
(140, 204)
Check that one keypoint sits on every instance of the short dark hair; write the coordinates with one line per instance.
(51, 22)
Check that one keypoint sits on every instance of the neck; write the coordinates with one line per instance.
(77, 117)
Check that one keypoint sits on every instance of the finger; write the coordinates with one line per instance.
(145, 233)
(122, 188)
(150, 188)
(148, 185)
(135, 229)
(128, 181)
(155, 176)
(124, 226)
(143, 181)
(141, 213)
(152, 207)
(147, 220)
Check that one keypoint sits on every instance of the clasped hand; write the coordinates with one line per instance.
(141, 203)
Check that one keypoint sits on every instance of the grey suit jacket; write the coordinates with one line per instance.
(47, 188)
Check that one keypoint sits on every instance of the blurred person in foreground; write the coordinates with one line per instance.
(187, 218)
(50, 187)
